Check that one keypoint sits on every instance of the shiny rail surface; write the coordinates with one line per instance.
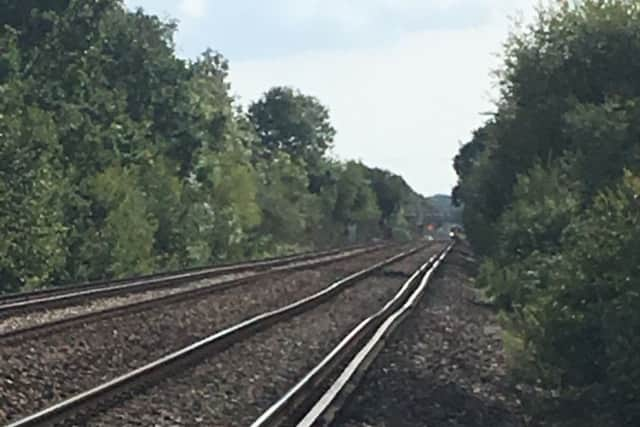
(97, 284)
(171, 364)
(303, 262)
(55, 298)
(317, 397)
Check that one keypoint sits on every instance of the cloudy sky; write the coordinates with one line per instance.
(406, 81)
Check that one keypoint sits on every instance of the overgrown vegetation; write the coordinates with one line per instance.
(117, 157)
(551, 189)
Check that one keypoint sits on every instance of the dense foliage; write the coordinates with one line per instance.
(117, 157)
(551, 191)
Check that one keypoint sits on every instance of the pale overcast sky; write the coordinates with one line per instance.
(406, 81)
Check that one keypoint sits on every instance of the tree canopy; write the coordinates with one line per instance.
(287, 120)
(117, 157)
(549, 187)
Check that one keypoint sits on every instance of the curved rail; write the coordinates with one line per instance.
(54, 298)
(316, 398)
(189, 355)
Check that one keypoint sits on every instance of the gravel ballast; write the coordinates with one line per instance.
(234, 387)
(23, 321)
(445, 365)
(97, 303)
(45, 370)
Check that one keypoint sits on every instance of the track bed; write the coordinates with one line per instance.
(234, 387)
(48, 369)
(445, 366)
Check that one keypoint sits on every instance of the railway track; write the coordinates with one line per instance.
(445, 365)
(48, 368)
(49, 298)
(319, 395)
(230, 276)
(172, 364)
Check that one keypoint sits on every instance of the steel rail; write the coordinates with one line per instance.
(224, 267)
(95, 284)
(30, 332)
(359, 348)
(137, 285)
(189, 355)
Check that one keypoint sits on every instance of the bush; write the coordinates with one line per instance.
(580, 324)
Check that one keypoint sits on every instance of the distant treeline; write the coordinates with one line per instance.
(117, 157)
(551, 190)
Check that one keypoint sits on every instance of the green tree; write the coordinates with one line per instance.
(126, 237)
(527, 233)
(582, 330)
(226, 191)
(286, 120)
(284, 200)
(31, 225)
(121, 158)
(356, 204)
(391, 192)
(165, 202)
(569, 101)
